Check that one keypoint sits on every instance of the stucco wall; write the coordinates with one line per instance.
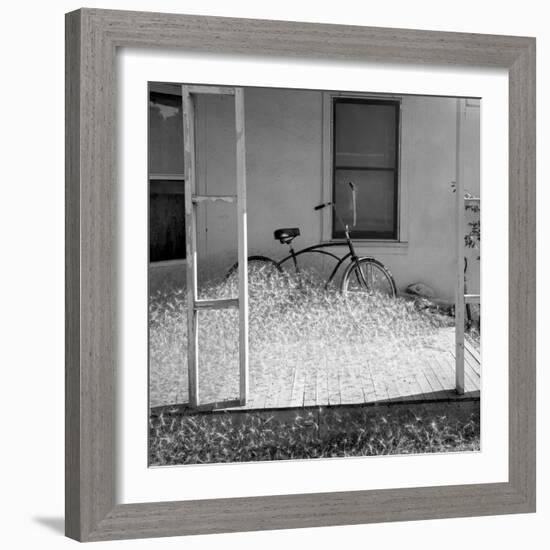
(284, 138)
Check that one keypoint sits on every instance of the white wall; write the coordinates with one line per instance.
(31, 462)
(284, 132)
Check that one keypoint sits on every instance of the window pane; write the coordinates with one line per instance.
(165, 134)
(375, 198)
(166, 220)
(365, 134)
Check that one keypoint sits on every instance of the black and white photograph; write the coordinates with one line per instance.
(247, 302)
(314, 274)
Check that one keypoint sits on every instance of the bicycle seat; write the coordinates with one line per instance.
(286, 234)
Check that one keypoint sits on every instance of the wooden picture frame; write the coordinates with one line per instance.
(92, 39)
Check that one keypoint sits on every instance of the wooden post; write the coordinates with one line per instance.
(191, 245)
(242, 244)
(194, 305)
(460, 229)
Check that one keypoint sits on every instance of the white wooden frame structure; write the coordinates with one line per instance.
(461, 299)
(194, 305)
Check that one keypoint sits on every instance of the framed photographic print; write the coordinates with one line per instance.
(279, 310)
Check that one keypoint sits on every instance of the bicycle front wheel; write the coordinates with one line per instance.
(370, 276)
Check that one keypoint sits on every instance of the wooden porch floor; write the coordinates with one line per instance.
(349, 378)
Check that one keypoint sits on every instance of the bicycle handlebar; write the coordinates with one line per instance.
(353, 202)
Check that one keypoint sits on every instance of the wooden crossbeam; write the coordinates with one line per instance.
(167, 177)
(211, 90)
(217, 304)
(214, 198)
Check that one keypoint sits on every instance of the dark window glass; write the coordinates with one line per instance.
(166, 193)
(365, 152)
(166, 220)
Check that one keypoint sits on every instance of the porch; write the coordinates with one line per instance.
(285, 378)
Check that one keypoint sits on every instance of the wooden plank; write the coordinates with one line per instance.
(339, 380)
(261, 387)
(387, 372)
(410, 386)
(421, 379)
(380, 386)
(432, 383)
(460, 230)
(268, 394)
(191, 246)
(447, 363)
(277, 372)
(351, 386)
(167, 177)
(318, 378)
(286, 379)
(305, 383)
(403, 378)
(437, 378)
(214, 90)
(472, 364)
(333, 381)
(297, 393)
(214, 198)
(367, 383)
(310, 386)
(366, 375)
(472, 351)
(289, 395)
(322, 384)
(363, 388)
(473, 377)
(242, 242)
(222, 303)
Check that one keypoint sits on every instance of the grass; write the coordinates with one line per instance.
(292, 320)
(322, 433)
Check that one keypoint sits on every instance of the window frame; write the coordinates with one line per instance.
(328, 172)
(166, 89)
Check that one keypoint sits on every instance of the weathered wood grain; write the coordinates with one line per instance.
(188, 113)
(242, 242)
(460, 303)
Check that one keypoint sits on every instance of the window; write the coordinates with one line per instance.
(166, 220)
(365, 151)
(166, 183)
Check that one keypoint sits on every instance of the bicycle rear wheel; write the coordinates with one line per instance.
(370, 276)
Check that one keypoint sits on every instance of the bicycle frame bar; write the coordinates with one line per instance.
(314, 248)
(318, 250)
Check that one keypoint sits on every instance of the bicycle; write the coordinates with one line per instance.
(361, 273)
